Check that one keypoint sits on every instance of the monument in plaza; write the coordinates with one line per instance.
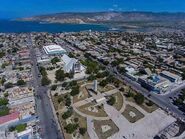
(95, 86)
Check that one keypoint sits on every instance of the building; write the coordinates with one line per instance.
(72, 65)
(171, 77)
(43, 60)
(154, 83)
(12, 117)
(54, 50)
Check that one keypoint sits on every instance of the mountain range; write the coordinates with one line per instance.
(97, 17)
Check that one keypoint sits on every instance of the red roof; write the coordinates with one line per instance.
(10, 117)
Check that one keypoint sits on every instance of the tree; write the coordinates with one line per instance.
(103, 83)
(55, 60)
(102, 74)
(53, 87)
(8, 85)
(82, 131)
(111, 100)
(45, 81)
(114, 63)
(68, 101)
(42, 71)
(4, 110)
(64, 84)
(149, 103)
(70, 128)
(3, 101)
(2, 54)
(76, 119)
(3, 80)
(122, 89)
(106, 62)
(60, 99)
(59, 75)
(130, 94)
(75, 91)
(21, 82)
(67, 114)
(91, 77)
(73, 83)
(122, 70)
(139, 99)
(6, 95)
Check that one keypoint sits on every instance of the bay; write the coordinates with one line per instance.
(26, 27)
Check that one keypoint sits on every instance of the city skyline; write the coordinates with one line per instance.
(30, 8)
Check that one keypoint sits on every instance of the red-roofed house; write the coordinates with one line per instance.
(9, 118)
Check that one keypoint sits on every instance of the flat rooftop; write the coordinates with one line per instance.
(53, 48)
(167, 73)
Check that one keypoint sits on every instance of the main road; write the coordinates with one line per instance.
(49, 127)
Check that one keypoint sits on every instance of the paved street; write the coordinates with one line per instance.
(43, 106)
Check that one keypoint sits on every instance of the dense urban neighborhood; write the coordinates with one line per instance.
(92, 85)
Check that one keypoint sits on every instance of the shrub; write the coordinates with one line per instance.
(111, 100)
(53, 87)
(139, 99)
(70, 128)
(82, 131)
(21, 82)
(67, 114)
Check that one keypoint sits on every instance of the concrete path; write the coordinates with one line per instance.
(91, 129)
(83, 102)
(111, 92)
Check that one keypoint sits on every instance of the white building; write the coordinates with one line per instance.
(72, 65)
(54, 50)
(171, 76)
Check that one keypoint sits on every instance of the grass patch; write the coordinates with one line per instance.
(82, 96)
(127, 114)
(18, 128)
(148, 108)
(119, 101)
(104, 135)
(105, 89)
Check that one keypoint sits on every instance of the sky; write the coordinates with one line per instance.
(25, 8)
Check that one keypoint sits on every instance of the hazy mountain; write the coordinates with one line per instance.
(108, 17)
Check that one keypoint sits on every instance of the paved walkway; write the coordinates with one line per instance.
(83, 102)
(111, 92)
(152, 123)
(91, 129)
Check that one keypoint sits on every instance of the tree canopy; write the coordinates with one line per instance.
(59, 75)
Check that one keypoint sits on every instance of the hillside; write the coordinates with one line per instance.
(108, 17)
